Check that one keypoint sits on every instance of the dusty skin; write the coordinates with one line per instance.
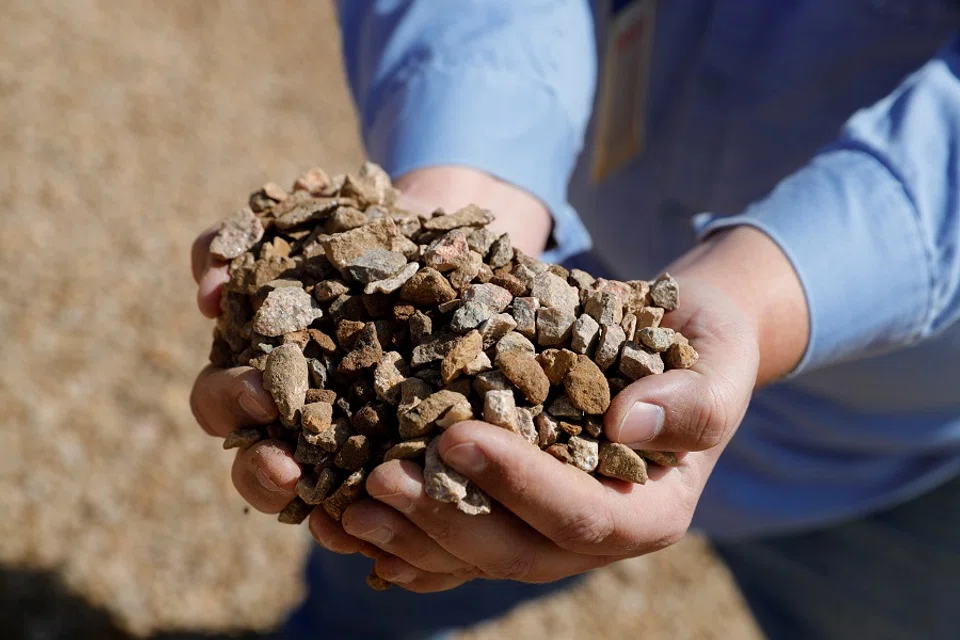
(120, 138)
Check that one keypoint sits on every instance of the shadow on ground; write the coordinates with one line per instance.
(36, 605)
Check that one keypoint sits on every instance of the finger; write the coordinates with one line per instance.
(226, 399)
(690, 409)
(405, 575)
(386, 528)
(498, 544)
(576, 511)
(330, 535)
(266, 475)
(209, 273)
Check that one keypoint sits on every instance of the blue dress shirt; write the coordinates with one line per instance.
(831, 125)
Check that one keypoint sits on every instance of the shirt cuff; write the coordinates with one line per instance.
(854, 238)
(492, 120)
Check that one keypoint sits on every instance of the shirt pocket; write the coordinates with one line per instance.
(918, 13)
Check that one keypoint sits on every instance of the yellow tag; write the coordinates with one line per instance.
(619, 133)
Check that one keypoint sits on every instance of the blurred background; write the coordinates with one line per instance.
(126, 127)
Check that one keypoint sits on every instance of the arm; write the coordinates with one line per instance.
(460, 100)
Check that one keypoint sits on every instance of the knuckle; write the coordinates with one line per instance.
(587, 529)
(710, 421)
(517, 567)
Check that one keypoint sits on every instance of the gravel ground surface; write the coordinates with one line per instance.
(125, 128)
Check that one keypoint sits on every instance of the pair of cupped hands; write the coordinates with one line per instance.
(549, 520)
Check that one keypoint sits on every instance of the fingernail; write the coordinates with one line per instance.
(380, 535)
(403, 577)
(255, 409)
(467, 458)
(265, 480)
(641, 424)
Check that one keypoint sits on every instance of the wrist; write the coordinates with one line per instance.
(753, 271)
(517, 211)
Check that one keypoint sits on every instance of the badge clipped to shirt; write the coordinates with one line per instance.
(621, 111)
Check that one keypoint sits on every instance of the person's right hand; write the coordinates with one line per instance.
(223, 400)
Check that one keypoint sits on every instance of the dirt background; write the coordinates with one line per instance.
(125, 128)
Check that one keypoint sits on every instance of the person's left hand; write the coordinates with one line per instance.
(551, 520)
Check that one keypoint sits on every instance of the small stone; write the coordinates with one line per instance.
(563, 408)
(479, 364)
(343, 248)
(500, 409)
(525, 314)
(366, 353)
(332, 438)
(388, 377)
(548, 430)
(629, 325)
(464, 351)
(237, 234)
(402, 311)
(349, 492)
(636, 362)
(375, 265)
(391, 284)
(329, 290)
(570, 429)
(593, 425)
(443, 484)
(412, 392)
(584, 453)
(419, 419)
(513, 341)
(639, 292)
(427, 287)
(320, 395)
(554, 293)
(525, 423)
(274, 191)
(501, 252)
(446, 252)
(556, 363)
(612, 338)
(665, 292)
(344, 219)
(319, 375)
(561, 452)
(494, 297)
(421, 327)
(656, 339)
(661, 458)
(511, 283)
(495, 327)
(648, 317)
(316, 417)
(313, 488)
(347, 333)
(285, 310)
(587, 387)
(458, 412)
(523, 370)
(450, 306)
(526, 275)
(308, 453)
(553, 326)
(285, 377)
(621, 462)
(314, 181)
(406, 450)
(469, 216)
(481, 240)
(680, 356)
(468, 316)
(605, 307)
(295, 512)
(584, 334)
(242, 438)
(491, 381)
(433, 349)
(354, 453)
(467, 269)
(583, 281)
(377, 583)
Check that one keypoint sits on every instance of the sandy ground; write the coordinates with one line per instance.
(125, 128)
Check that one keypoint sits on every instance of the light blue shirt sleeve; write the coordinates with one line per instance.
(872, 223)
(503, 87)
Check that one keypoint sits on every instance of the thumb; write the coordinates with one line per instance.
(690, 409)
